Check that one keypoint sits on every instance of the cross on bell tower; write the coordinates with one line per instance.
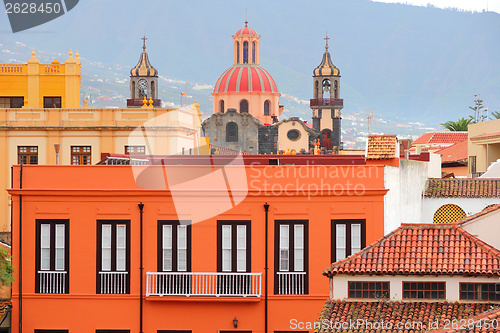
(143, 81)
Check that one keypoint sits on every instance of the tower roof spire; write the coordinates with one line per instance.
(326, 38)
(143, 67)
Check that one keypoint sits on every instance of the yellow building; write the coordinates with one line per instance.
(40, 111)
(35, 85)
(484, 146)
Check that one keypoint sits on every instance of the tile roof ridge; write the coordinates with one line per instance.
(485, 246)
(327, 271)
(472, 217)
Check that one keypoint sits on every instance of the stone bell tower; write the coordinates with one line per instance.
(326, 104)
(143, 81)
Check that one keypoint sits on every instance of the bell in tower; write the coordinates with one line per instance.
(326, 104)
(143, 81)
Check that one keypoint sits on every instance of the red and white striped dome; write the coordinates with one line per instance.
(246, 31)
(245, 78)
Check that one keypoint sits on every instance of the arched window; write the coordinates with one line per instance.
(326, 87)
(267, 105)
(253, 52)
(245, 52)
(336, 89)
(221, 106)
(237, 52)
(448, 214)
(244, 106)
(232, 132)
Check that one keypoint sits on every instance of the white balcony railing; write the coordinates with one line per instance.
(52, 282)
(291, 283)
(113, 282)
(203, 284)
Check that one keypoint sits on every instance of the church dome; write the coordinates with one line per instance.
(246, 31)
(245, 78)
(326, 68)
(143, 67)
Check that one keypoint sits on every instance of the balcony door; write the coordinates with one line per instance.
(113, 257)
(291, 257)
(233, 257)
(174, 258)
(52, 256)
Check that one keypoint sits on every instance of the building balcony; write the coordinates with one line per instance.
(138, 103)
(317, 103)
(52, 282)
(204, 284)
(291, 283)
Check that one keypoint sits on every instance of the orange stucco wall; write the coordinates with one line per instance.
(84, 194)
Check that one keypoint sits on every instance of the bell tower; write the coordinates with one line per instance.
(326, 104)
(143, 81)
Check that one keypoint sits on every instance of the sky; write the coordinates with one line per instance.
(472, 5)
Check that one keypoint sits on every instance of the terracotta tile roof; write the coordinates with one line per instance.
(381, 147)
(416, 315)
(478, 323)
(454, 153)
(423, 249)
(462, 188)
(440, 137)
(485, 211)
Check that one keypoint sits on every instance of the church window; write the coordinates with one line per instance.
(336, 89)
(253, 52)
(133, 90)
(51, 102)
(267, 105)
(221, 106)
(245, 52)
(152, 92)
(316, 90)
(293, 135)
(232, 132)
(237, 52)
(244, 106)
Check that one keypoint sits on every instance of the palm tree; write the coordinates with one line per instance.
(495, 114)
(459, 125)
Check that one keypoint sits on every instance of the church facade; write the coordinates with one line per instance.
(246, 110)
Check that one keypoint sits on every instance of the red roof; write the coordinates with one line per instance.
(454, 153)
(245, 78)
(462, 188)
(381, 147)
(440, 137)
(401, 313)
(477, 323)
(423, 249)
(485, 211)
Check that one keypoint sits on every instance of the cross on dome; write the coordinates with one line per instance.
(144, 43)
(326, 38)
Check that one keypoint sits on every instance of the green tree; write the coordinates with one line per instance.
(477, 108)
(6, 269)
(459, 125)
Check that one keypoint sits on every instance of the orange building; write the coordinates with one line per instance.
(217, 245)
